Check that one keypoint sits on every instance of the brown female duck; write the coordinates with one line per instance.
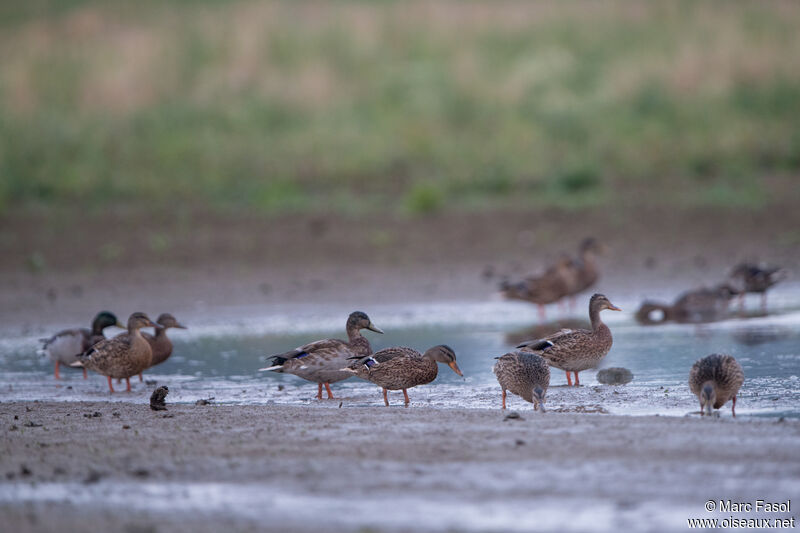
(160, 343)
(322, 361)
(123, 356)
(401, 368)
(544, 289)
(752, 278)
(525, 374)
(715, 379)
(705, 304)
(577, 350)
(586, 272)
(64, 347)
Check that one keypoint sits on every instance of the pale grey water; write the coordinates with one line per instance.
(221, 361)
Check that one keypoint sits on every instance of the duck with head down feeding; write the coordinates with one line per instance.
(580, 349)
(525, 374)
(322, 361)
(715, 379)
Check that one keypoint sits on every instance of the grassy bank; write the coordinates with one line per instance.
(357, 106)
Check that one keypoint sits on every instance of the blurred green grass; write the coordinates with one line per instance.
(359, 106)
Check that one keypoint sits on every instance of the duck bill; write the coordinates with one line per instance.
(454, 366)
(155, 325)
(613, 307)
(119, 325)
(373, 327)
(180, 326)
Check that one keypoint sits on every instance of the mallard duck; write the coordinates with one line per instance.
(401, 368)
(321, 361)
(524, 374)
(698, 305)
(715, 379)
(545, 289)
(751, 278)
(123, 356)
(584, 267)
(64, 347)
(580, 349)
(160, 343)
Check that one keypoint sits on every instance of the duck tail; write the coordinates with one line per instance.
(645, 314)
(277, 364)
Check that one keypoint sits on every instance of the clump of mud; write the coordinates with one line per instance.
(157, 402)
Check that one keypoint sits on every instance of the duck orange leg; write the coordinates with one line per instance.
(58, 376)
(319, 391)
(385, 398)
(576, 380)
(328, 389)
(110, 385)
(569, 379)
(733, 407)
(504, 398)
(85, 374)
(140, 377)
(405, 394)
(128, 384)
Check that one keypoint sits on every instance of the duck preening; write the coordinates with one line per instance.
(64, 347)
(715, 379)
(322, 361)
(579, 349)
(401, 368)
(525, 374)
(123, 356)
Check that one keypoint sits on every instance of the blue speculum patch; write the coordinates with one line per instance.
(301, 355)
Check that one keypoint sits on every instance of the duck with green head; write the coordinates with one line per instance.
(64, 347)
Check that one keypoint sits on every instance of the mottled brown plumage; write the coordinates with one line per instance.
(752, 278)
(566, 278)
(705, 304)
(160, 343)
(577, 350)
(401, 368)
(322, 361)
(525, 374)
(715, 379)
(123, 356)
(64, 347)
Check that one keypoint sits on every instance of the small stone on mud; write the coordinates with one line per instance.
(281, 387)
(141, 472)
(24, 470)
(32, 424)
(126, 426)
(92, 415)
(513, 415)
(150, 382)
(519, 442)
(204, 401)
(615, 376)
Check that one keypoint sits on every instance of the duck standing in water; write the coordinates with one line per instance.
(748, 277)
(322, 361)
(401, 368)
(715, 379)
(525, 374)
(160, 343)
(123, 356)
(64, 347)
(579, 349)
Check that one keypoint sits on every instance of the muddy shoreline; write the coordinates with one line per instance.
(395, 461)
